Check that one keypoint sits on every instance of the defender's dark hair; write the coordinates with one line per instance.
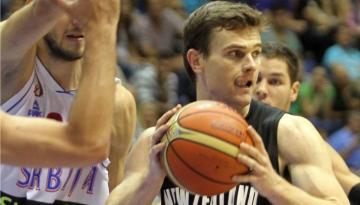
(280, 51)
(216, 15)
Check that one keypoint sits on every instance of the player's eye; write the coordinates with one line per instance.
(274, 82)
(236, 54)
(255, 54)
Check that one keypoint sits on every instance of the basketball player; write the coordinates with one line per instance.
(278, 86)
(222, 48)
(44, 49)
(82, 141)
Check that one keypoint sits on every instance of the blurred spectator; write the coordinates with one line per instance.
(178, 7)
(346, 141)
(316, 97)
(155, 91)
(9, 6)
(353, 20)
(322, 17)
(344, 53)
(279, 31)
(191, 5)
(4, 9)
(157, 30)
(127, 49)
(346, 95)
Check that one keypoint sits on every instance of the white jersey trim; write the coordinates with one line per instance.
(19, 96)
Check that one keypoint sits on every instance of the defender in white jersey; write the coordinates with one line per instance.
(41, 74)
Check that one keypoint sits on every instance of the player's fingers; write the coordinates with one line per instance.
(165, 117)
(253, 165)
(158, 148)
(243, 178)
(256, 139)
(253, 153)
(159, 133)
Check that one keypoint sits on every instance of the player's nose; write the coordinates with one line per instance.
(261, 91)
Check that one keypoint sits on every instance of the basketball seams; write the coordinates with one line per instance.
(242, 121)
(181, 129)
(202, 143)
(184, 131)
(204, 131)
(194, 170)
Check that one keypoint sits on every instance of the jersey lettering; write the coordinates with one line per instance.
(240, 195)
(26, 174)
(31, 179)
(53, 183)
(35, 179)
(89, 181)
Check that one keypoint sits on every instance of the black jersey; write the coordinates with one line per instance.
(265, 120)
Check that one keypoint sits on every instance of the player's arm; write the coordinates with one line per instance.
(51, 143)
(302, 147)
(85, 138)
(19, 34)
(346, 178)
(123, 130)
(144, 173)
(138, 186)
(26, 27)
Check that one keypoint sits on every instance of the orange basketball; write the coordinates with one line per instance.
(202, 145)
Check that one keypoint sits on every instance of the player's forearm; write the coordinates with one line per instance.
(60, 151)
(92, 112)
(287, 194)
(134, 190)
(25, 27)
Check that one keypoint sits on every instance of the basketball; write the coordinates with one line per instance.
(202, 145)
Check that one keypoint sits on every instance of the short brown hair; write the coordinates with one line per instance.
(280, 51)
(217, 14)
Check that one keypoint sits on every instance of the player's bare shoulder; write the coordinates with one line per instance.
(124, 115)
(298, 139)
(124, 101)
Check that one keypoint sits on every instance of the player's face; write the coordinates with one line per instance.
(274, 86)
(229, 72)
(66, 40)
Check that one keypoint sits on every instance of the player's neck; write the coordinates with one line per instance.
(66, 73)
(243, 110)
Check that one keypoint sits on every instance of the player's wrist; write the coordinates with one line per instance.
(277, 190)
(146, 179)
(48, 9)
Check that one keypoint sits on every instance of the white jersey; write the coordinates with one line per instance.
(42, 96)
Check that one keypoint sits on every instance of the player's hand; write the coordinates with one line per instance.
(262, 176)
(89, 11)
(156, 146)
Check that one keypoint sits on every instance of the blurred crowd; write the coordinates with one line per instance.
(325, 34)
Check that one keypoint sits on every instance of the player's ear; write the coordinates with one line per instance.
(195, 59)
(295, 87)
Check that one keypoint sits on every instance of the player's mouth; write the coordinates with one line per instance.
(75, 36)
(243, 83)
